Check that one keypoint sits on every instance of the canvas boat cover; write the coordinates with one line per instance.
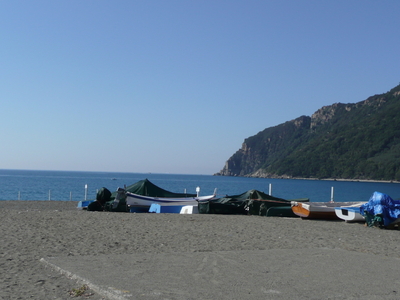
(252, 202)
(380, 210)
(147, 188)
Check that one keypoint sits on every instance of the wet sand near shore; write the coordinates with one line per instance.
(32, 230)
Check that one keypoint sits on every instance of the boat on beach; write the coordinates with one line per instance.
(140, 196)
(381, 211)
(144, 193)
(136, 200)
(251, 202)
(320, 210)
(350, 213)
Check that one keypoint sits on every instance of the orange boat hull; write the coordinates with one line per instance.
(310, 212)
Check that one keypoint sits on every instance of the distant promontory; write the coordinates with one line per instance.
(359, 141)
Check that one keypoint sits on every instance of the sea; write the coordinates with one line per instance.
(77, 186)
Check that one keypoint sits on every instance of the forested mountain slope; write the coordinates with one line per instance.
(348, 141)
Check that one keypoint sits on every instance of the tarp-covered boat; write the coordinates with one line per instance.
(138, 197)
(144, 193)
(381, 211)
(252, 202)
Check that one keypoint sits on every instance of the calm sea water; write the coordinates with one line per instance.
(66, 185)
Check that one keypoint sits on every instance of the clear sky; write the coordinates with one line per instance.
(176, 86)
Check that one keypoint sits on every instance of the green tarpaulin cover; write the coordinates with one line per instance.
(252, 202)
(147, 188)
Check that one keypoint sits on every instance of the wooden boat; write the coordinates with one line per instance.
(350, 213)
(319, 210)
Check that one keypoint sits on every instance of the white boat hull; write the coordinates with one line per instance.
(350, 213)
(321, 210)
(145, 201)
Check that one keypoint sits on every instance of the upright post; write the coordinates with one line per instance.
(332, 199)
(49, 195)
(70, 196)
(19, 195)
(85, 192)
(270, 189)
(198, 191)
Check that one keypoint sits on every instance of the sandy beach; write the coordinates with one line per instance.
(32, 230)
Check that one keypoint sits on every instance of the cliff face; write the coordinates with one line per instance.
(354, 141)
(266, 145)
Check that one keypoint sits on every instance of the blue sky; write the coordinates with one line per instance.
(176, 86)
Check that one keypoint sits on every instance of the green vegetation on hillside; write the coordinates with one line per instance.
(352, 141)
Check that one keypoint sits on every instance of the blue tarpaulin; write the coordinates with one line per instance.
(382, 206)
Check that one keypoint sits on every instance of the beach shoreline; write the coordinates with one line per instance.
(323, 179)
(33, 230)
